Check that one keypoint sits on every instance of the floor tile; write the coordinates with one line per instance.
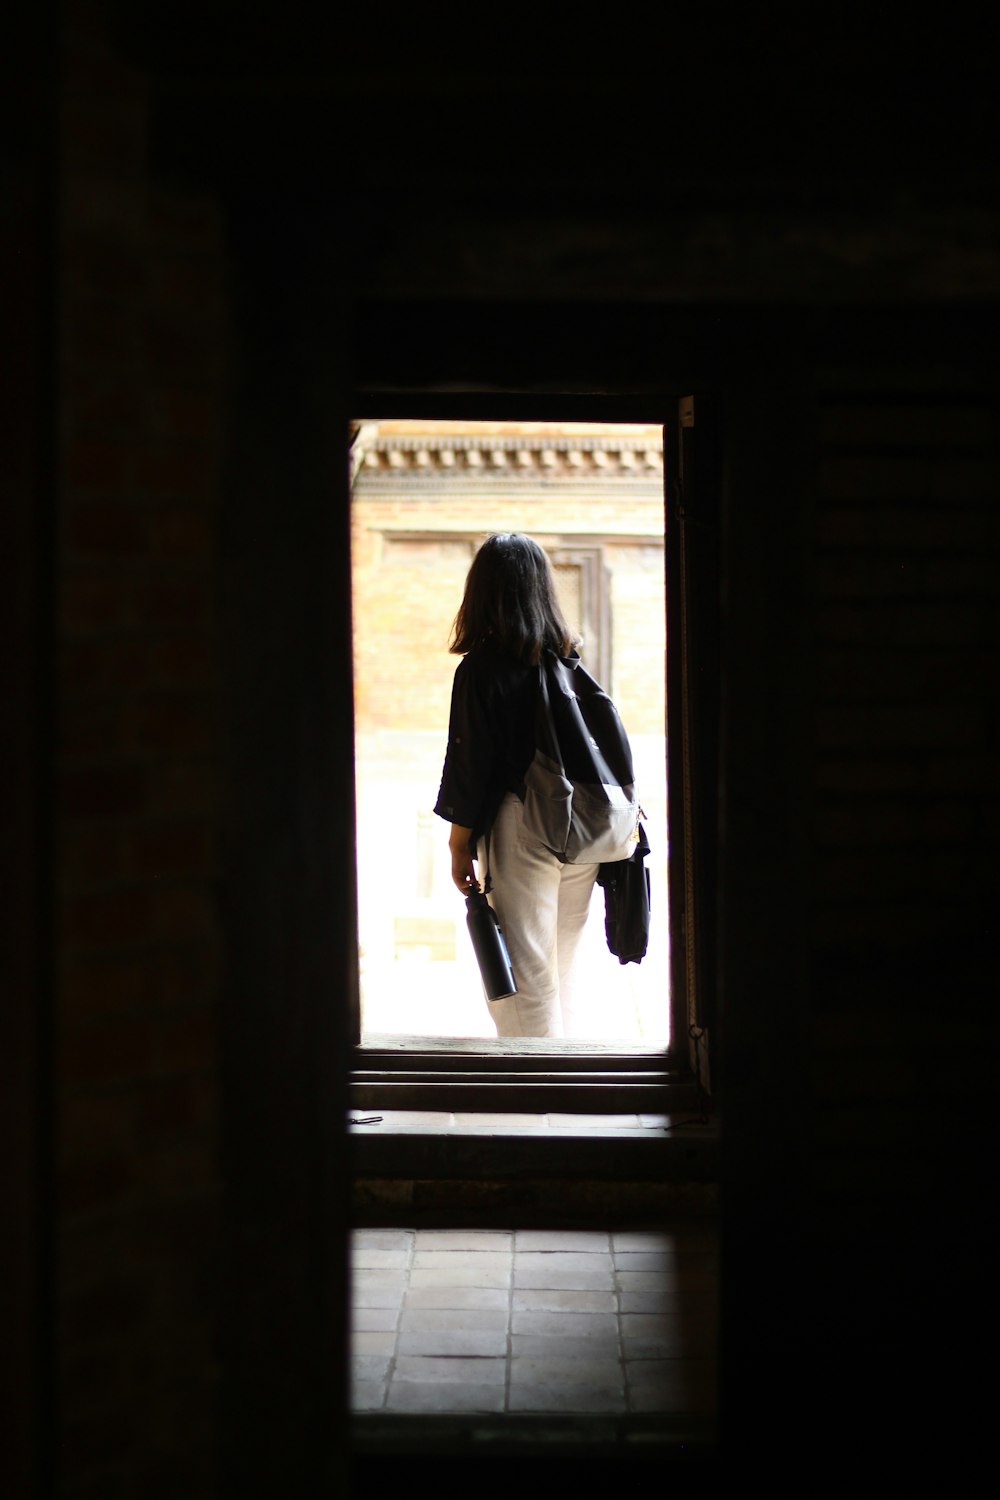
(382, 1239)
(467, 1274)
(378, 1290)
(562, 1260)
(428, 1396)
(562, 1299)
(555, 1397)
(475, 1260)
(450, 1341)
(650, 1336)
(597, 1369)
(653, 1299)
(655, 1241)
(548, 1240)
(552, 1346)
(643, 1260)
(642, 1281)
(419, 1320)
(365, 1259)
(368, 1395)
(641, 1240)
(373, 1343)
(450, 1371)
(579, 1324)
(458, 1297)
(473, 1239)
(583, 1279)
(374, 1319)
(546, 1321)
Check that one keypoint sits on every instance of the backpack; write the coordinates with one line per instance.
(580, 798)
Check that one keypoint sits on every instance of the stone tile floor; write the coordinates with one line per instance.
(535, 1321)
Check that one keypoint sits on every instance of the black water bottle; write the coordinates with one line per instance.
(491, 950)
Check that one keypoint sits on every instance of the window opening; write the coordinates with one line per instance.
(425, 494)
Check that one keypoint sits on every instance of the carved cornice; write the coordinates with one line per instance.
(508, 459)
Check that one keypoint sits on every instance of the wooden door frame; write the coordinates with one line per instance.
(386, 1075)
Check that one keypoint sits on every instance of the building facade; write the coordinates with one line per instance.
(425, 494)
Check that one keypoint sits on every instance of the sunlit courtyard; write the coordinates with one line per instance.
(424, 497)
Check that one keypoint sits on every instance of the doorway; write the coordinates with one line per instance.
(480, 1162)
(425, 493)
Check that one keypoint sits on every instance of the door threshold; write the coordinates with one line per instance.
(544, 1170)
(520, 1075)
(508, 1046)
(589, 1125)
(633, 1441)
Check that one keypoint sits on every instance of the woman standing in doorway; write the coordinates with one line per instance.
(508, 616)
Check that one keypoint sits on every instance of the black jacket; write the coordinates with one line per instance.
(491, 738)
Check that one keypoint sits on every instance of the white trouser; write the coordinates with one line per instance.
(542, 906)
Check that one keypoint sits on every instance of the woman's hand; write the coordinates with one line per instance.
(463, 871)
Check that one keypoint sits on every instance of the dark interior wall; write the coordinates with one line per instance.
(855, 855)
(254, 225)
(139, 362)
(27, 515)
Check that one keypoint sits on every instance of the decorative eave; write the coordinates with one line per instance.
(519, 459)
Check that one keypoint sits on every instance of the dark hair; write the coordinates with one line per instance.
(509, 604)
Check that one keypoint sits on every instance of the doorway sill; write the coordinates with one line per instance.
(639, 1445)
(441, 1168)
(508, 1126)
(525, 1076)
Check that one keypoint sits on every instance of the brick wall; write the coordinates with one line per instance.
(904, 777)
(407, 592)
(138, 951)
